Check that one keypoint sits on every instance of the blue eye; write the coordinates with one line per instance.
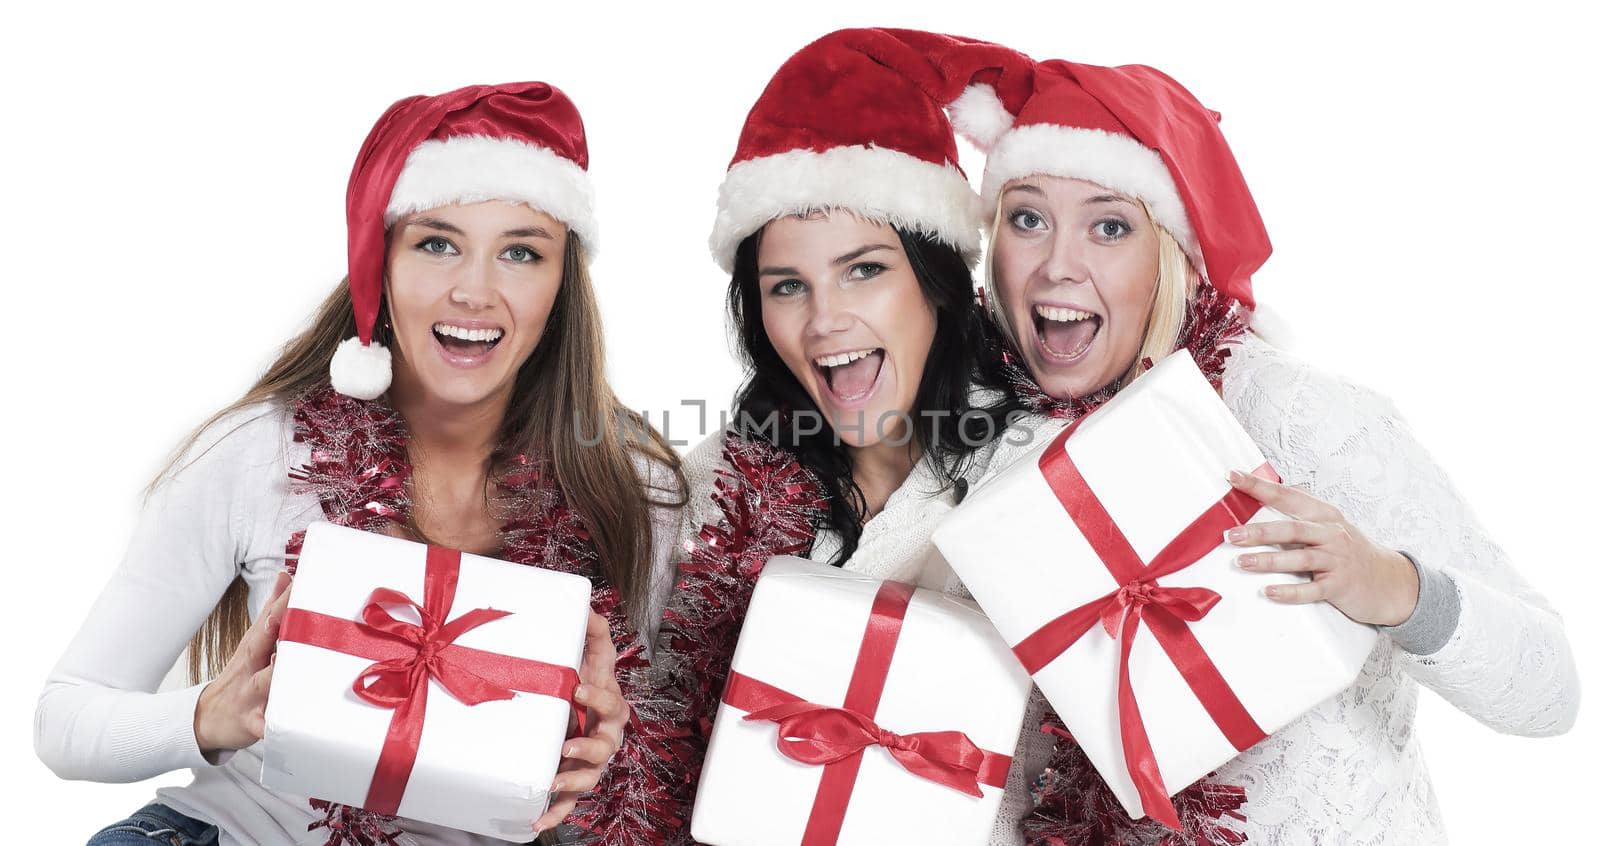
(788, 287)
(522, 255)
(1111, 229)
(1027, 220)
(866, 270)
(437, 246)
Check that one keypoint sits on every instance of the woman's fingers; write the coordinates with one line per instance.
(280, 598)
(1297, 594)
(261, 680)
(610, 719)
(278, 605)
(1281, 497)
(577, 777)
(1281, 532)
(599, 653)
(1308, 560)
(561, 804)
(280, 586)
(604, 700)
(260, 642)
(589, 750)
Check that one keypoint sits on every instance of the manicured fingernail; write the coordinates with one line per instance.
(1235, 534)
(1246, 562)
(1235, 476)
(581, 693)
(1271, 591)
(572, 749)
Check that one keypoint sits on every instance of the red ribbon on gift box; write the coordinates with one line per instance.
(1140, 599)
(834, 738)
(409, 655)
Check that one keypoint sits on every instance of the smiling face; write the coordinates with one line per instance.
(844, 310)
(1075, 269)
(469, 290)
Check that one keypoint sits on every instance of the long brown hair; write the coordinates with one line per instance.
(560, 396)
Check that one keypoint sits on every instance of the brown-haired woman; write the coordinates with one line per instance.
(490, 428)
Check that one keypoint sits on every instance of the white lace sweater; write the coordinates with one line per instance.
(227, 513)
(1351, 770)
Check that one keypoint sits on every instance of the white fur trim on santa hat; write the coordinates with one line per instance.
(360, 370)
(979, 116)
(477, 168)
(876, 183)
(1115, 161)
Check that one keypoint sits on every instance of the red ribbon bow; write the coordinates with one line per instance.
(407, 655)
(1140, 601)
(816, 734)
(834, 737)
(1129, 600)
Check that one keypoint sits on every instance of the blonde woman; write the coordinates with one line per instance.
(434, 397)
(1122, 230)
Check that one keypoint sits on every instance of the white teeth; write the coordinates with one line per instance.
(1062, 315)
(842, 358)
(463, 334)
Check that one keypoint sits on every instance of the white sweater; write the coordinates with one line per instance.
(1350, 771)
(227, 512)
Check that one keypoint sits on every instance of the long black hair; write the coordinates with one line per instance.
(765, 404)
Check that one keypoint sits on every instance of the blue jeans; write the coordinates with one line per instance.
(155, 823)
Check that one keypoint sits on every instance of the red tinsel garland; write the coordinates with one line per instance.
(768, 505)
(358, 470)
(1077, 808)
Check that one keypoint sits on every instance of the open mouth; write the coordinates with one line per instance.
(850, 376)
(1065, 334)
(464, 344)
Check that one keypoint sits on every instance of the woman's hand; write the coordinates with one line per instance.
(231, 711)
(584, 759)
(1367, 582)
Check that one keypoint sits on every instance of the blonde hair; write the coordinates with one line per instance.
(562, 381)
(1176, 284)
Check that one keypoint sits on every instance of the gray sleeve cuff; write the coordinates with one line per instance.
(1437, 613)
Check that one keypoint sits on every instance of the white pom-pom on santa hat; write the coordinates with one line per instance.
(361, 371)
(979, 116)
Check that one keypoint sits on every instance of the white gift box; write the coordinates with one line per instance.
(484, 768)
(948, 672)
(1156, 457)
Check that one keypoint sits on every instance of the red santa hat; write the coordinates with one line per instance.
(1138, 132)
(856, 120)
(521, 142)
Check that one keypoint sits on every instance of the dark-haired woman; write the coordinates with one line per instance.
(470, 226)
(848, 230)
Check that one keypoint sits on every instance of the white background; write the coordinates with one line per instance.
(173, 208)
